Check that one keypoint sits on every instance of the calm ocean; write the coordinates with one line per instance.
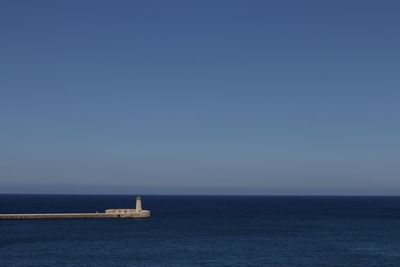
(205, 231)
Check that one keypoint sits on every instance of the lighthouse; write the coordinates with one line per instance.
(138, 204)
(137, 212)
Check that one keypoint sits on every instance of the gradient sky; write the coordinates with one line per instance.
(235, 97)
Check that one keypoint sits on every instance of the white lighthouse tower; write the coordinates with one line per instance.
(137, 212)
(138, 204)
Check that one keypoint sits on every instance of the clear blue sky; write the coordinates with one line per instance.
(235, 97)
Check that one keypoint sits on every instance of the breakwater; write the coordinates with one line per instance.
(137, 213)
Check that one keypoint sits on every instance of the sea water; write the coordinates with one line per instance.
(204, 231)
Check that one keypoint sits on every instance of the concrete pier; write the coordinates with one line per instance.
(136, 213)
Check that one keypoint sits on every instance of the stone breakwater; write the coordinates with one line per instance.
(137, 213)
(53, 216)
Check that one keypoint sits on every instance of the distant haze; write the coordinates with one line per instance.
(200, 97)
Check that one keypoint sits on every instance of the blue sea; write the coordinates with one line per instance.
(205, 231)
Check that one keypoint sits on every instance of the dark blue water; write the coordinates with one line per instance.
(205, 231)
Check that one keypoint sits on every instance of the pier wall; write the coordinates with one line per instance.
(52, 216)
